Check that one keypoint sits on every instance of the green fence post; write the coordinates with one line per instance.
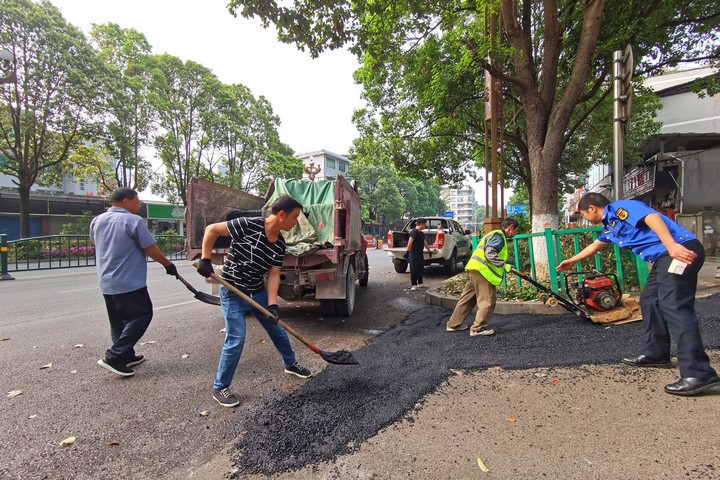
(4, 275)
(552, 265)
(642, 271)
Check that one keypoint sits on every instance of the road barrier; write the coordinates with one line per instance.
(68, 251)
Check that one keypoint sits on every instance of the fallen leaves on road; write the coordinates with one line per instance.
(262, 341)
(205, 413)
(149, 341)
(73, 371)
(68, 441)
(555, 381)
(459, 373)
(2, 339)
(114, 442)
(14, 393)
(49, 365)
(482, 466)
(222, 330)
(184, 355)
(79, 345)
(511, 419)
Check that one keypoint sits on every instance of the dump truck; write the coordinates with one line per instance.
(326, 252)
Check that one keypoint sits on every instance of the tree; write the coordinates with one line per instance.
(246, 134)
(552, 57)
(378, 182)
(129, 125)
(183, 96)
(53, 104)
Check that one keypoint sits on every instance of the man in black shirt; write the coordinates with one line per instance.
(414, 254)
(257, 247)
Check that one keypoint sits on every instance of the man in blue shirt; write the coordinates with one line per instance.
(668, 299)
(121, 242)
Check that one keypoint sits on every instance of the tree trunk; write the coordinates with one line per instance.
(24, 193)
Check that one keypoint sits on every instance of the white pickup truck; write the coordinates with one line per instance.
(451, 241)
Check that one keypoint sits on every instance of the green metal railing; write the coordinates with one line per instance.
(67, 251)
(631, 272)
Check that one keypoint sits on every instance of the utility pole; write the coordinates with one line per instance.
(622, 90)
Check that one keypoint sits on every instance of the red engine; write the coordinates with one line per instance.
(598, 291)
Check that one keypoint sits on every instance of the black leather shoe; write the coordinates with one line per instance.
(645, 361)
(692, 386)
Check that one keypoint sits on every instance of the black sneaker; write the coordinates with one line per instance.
(225, 397)
(296, 369)
(135, 360)
(116, 368)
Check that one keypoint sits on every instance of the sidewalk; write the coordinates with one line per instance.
(707, 285)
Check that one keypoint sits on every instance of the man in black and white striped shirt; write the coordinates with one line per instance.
(257, 248)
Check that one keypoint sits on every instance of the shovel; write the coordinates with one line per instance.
(202, 296)
(341, 357)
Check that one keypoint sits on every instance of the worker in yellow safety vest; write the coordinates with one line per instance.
(485, 271)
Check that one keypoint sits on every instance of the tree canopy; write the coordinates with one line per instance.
(423, 68)
(55, 102)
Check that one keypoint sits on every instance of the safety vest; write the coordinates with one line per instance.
(479, 263)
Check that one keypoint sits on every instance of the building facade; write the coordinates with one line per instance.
(461, 201)
(324, 165)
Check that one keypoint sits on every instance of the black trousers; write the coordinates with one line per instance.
(417, 265)
(668, 310)
(130, 314)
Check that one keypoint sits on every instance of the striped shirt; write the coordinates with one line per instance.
(251, 254)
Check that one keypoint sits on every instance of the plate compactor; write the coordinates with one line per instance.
(592, 291)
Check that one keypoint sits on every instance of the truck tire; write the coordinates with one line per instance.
(451, 265)
(344, 306)
(364, 279)
(400, 266)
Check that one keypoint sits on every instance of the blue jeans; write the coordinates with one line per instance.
(234, 309)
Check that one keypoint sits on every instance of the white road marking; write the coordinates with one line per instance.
(174, 305)
(79, 290)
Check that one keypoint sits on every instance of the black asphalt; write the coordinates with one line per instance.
(337, 410)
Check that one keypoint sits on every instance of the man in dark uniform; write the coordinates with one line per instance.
(668, 299)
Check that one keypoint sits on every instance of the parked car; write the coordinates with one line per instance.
(450, 239)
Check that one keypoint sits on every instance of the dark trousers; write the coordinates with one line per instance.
(130, 314)
(417, 264)
(668, 309)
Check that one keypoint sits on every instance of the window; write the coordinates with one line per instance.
(342, 166)
(330, 163)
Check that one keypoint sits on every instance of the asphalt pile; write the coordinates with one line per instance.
(343, 406)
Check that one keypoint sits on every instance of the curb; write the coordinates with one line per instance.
(437, 297)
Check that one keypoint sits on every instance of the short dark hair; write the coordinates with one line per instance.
(122, 193)
(509, 222)
(286, 204)
(594, 199)
(421, 220)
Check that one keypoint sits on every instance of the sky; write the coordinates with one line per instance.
(314, 98)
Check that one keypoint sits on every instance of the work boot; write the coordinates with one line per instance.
(298, 370)
(225, 397)
(692, 386)
(117, 368)
(459, 328)
(484, 332)
(135, 360)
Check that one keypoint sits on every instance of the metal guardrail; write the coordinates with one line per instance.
(630, 269)
(66, 251)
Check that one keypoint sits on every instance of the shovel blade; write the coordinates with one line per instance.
(341, 357)
(207, 298)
